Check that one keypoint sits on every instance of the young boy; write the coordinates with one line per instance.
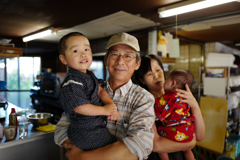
(80, 96)
(175, 115)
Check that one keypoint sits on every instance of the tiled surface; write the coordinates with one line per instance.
(190, 59)
(195, 60)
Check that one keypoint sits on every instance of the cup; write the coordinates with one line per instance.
(10, 132)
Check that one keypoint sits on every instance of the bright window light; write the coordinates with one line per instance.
(192, 7)
(37, 35)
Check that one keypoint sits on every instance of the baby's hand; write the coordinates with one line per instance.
(110, 109)
(115, 116)
(188, 97)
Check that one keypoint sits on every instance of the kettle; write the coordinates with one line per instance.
(3, 107)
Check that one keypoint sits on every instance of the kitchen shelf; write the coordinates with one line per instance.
(8, 55)
(4, 52)
(168, 60)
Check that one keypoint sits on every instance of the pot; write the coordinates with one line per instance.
(40, 119)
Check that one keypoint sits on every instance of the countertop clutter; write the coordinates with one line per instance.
(32, 132)
(37, 145)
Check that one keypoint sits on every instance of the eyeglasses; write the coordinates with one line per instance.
(126, 57)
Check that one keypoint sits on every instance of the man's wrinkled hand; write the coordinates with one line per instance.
(67, 141)
(73, 152)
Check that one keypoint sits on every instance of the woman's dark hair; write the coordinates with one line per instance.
(145, 67)
(62, 43)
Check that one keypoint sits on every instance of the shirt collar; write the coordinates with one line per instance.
(75, 72)
(123, 89)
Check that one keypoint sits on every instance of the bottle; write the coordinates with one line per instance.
(23, 126)
(13, 118)
(1, 131)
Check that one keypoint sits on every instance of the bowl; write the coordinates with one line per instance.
(40, 119)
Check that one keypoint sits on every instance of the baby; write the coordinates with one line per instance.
(174, 114)
(80, 96)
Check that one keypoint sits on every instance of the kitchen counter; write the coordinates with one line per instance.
(33, 134)
(38, 145)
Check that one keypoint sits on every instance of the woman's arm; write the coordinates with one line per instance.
(116, 151)
(195, 110)
(164, 145)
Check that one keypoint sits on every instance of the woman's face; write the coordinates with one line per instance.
(154, 79)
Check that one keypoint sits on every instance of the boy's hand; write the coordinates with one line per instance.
(110, 109)
(115, 116)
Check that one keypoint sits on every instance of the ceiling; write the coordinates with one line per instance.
(103, 18)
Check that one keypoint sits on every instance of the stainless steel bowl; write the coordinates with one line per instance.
(40, 119)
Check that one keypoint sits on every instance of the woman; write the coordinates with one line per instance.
(150, 76)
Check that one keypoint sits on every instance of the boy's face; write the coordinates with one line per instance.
(78, 54)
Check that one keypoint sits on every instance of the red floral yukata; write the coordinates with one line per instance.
(175, 117)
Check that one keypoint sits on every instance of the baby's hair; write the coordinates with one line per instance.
(182, 77)
(62, 43)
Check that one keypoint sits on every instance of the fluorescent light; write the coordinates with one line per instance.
(99, 54)
(237, 44)
(38, 35)
(189, 6)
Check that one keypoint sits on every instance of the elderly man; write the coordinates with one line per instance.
(135, 105)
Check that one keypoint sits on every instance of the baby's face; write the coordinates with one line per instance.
(168, 85)
(78, 53)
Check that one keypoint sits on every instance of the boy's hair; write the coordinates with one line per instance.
(62, 43)
(182, 77)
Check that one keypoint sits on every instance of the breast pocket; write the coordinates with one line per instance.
(125, 123)
(122, 127)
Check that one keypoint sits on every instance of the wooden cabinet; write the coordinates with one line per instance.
(9, 52)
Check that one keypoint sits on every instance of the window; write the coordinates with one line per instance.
(2, 69)
(20, 74)
(22, 71)
(97, 68)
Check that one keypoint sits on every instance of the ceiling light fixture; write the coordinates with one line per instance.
(237, 44)
(189, 6)
(38, 35)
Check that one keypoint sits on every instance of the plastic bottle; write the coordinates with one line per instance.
(13, 118)
(1, 131)
(23, 126)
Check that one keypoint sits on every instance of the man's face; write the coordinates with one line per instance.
(121, 71)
